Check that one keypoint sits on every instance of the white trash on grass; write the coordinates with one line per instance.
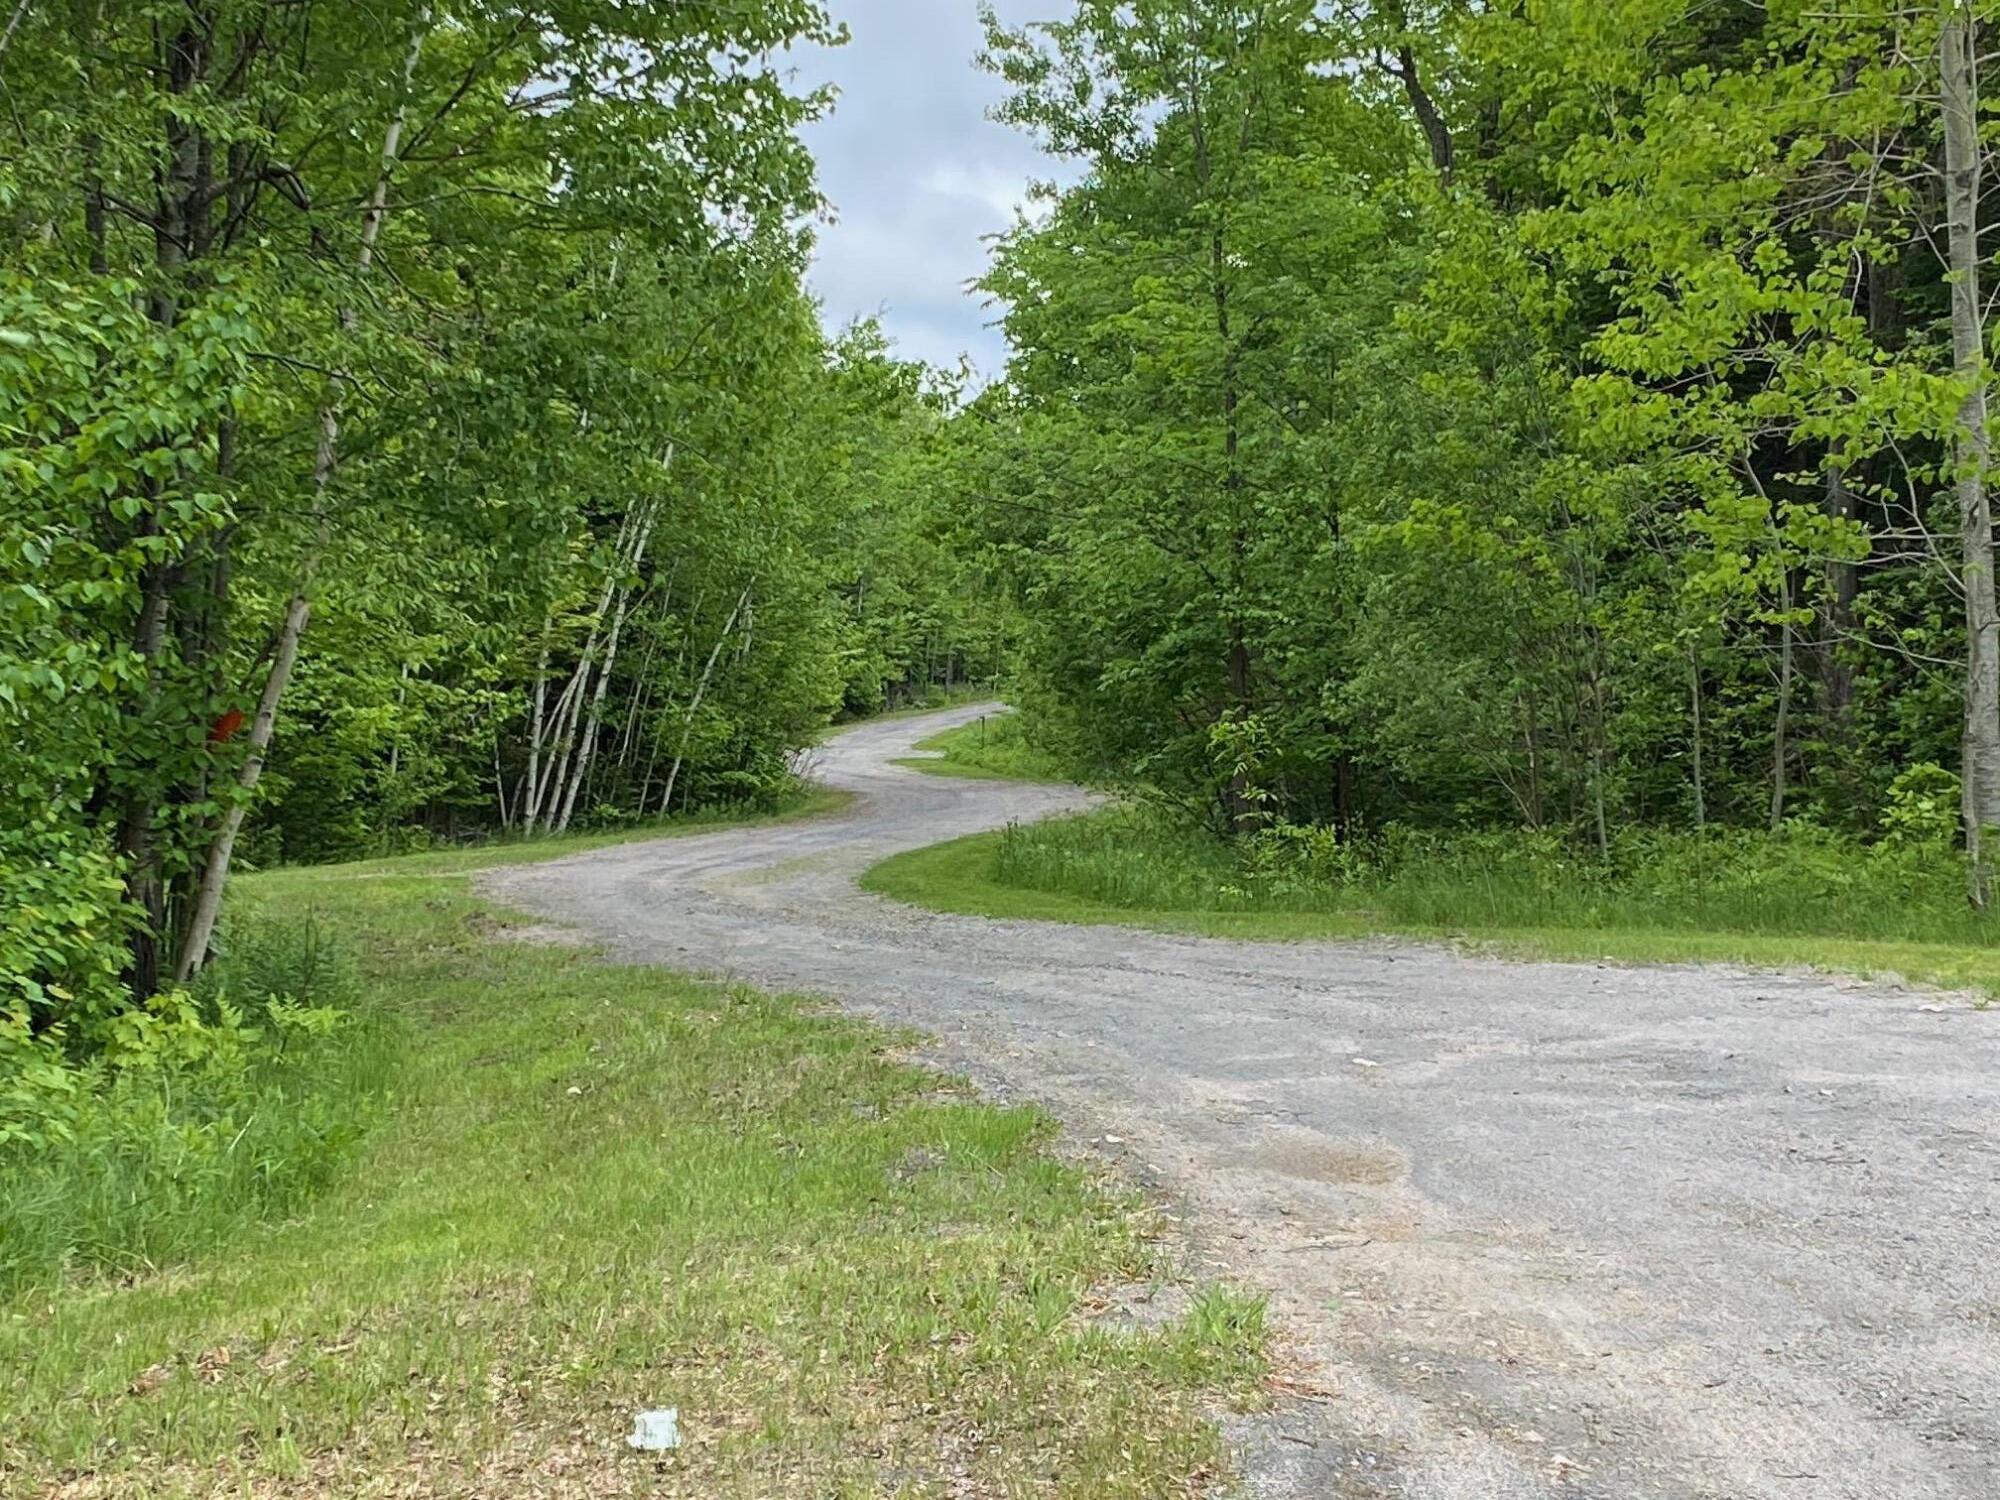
(656, 1431)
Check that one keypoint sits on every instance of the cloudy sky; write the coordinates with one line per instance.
(917, 173)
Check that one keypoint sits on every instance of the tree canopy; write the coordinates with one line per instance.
(413, 424)
(1542, 414)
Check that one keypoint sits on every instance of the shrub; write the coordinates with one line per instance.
(236, 1099)
(63, 923)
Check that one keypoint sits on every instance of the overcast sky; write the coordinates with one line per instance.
(917, 173)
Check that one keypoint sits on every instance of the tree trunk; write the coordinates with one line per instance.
(1837, 611)
(1237, 802)
(562, 732)
(143, 883)
(537, 707)
(1980, 770)
(500, 786)
(594, 720)
(1694, 710)
(681, 658)
(1343, 794)
(182, 59)
(215, 869)
(701, 690)
(628, 737)
(548, 793)
(1781, 747)
(1437, 135)
(1597, 731)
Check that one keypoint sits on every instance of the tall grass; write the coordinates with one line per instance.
(235, 1102)
(1800, 881)
(993, 745)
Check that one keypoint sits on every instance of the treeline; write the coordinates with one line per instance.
(413, 426)
(1567, 414)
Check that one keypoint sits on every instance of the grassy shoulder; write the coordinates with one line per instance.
(993, 747)
(805, 799)
(595, 1188)
(975, 876)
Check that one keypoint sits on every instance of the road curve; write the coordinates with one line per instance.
(1544, 1229)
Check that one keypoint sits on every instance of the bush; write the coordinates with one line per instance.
(63, 924)
(235, 1100)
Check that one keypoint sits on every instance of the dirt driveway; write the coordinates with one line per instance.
(1546, 1229)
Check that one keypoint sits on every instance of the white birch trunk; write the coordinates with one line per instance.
(594, 720)
(1980, 770)
(537, 714)
(701, 691)
(298, 612)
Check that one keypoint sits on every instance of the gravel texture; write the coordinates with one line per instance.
(1530, 1229)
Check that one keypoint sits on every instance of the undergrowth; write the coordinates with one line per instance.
(1804, 897)
(1800, 880)
(235, 1100)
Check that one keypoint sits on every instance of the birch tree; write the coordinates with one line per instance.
(1964, 161)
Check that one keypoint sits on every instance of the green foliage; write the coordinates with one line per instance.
(415, 428)
(62, 930)
(1922, 806)
(1484, 418)
(194, 1115)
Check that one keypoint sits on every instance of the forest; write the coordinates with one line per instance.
(1534, 421)
(1567, 417)
(416, 428)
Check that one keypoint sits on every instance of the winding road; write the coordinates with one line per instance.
(1533, 1229)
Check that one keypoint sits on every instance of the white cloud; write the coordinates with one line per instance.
(998, 190)
(918, 176)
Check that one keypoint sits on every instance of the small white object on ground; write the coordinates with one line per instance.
(655, 1431)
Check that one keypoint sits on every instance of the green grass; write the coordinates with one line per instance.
(215, 1123)
(597, 1188)
(206, 1111)
(805, 799)
(1768, 904)
(993, 747)
(958, 876)
(156, 1166)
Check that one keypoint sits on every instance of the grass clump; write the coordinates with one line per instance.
(204, 1111)
(603, 1188)
(994, 746)
(1801, 896)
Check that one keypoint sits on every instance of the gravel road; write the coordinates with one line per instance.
(1533, 1229)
